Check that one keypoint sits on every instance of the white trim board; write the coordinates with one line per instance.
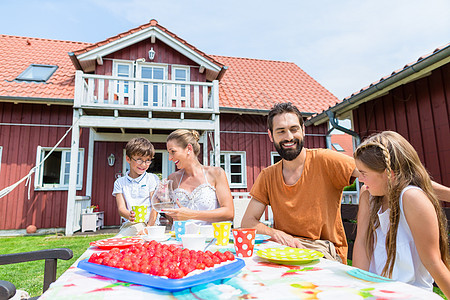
(145, 34)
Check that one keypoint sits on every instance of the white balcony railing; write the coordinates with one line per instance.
(147, 94)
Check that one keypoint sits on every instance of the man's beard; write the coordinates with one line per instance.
(291, 153)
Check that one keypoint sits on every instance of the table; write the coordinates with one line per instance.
(259, 279)
(92, 221)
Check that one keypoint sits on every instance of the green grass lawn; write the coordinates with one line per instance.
(29, 276)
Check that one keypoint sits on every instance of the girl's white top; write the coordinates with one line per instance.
(203, 197)
(408, 267)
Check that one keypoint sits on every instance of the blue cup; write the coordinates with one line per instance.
(180, 228)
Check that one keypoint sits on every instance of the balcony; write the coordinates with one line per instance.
(117, 97)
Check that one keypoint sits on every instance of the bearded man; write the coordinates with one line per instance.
(304, 189)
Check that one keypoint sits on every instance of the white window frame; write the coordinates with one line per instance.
(227, 168)
(28, 75)
(118, 84)
(140, 85)
(38, 178)
(273, 154)
(1, 151)
(176, 90)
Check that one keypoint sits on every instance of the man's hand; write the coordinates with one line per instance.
(286, 239)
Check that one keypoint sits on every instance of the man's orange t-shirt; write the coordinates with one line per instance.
(310, 208)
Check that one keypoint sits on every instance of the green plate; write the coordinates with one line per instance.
(289, 256)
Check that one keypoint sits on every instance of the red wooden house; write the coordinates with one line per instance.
(413, 101)
(143, 82)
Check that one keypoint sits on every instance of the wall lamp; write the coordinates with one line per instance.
(151, 54)
(111, 160)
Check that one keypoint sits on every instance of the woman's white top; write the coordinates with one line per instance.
(408, 267)
(203, 197)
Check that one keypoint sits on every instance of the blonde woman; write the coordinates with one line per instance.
(202, 192)
(402, 231)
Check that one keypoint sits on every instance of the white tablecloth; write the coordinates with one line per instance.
(259, 279)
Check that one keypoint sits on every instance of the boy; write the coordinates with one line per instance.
(136, 187)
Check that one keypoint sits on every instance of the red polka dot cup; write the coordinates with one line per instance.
(244, 241)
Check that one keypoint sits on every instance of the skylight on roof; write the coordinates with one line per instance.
(337, 147)
(39, 73)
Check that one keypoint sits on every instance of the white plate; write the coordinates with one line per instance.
(156, 239)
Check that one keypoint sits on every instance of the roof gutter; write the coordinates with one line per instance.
(365, 95)
(36, 100)
(75, 61)
(234, 110)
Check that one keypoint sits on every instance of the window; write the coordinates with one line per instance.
(338, 147)
(274, 157)
(54, 172)
(181, 91)
(39, 73)
(152, 93)
(235, 166)
(123, 69)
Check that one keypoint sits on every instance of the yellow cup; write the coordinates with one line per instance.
(139, 213)
(222, 233)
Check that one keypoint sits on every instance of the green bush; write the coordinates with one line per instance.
(350, 187)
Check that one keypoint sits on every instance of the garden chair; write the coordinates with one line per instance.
(51, 256)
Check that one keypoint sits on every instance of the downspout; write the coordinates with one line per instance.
(335, 125)
(357, 140)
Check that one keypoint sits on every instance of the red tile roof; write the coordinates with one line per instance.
(17, 53)
(259, 84)
(247, 84)
(345, 141)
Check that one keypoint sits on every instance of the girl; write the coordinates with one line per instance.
(402, 231)
(202, 192)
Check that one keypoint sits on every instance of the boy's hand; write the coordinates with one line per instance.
(132, 216)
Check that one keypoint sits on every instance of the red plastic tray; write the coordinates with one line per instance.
(116, 243)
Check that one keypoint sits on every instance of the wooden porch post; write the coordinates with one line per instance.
(90, 163)
(73, 173)
(204, 140)
(216, 141)
(216, 123)
(74, 146)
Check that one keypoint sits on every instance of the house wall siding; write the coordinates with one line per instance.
(45, 209)
(420, 112)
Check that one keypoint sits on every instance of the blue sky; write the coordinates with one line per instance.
(345, 45)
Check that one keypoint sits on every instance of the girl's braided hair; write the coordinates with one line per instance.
(389, 152)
